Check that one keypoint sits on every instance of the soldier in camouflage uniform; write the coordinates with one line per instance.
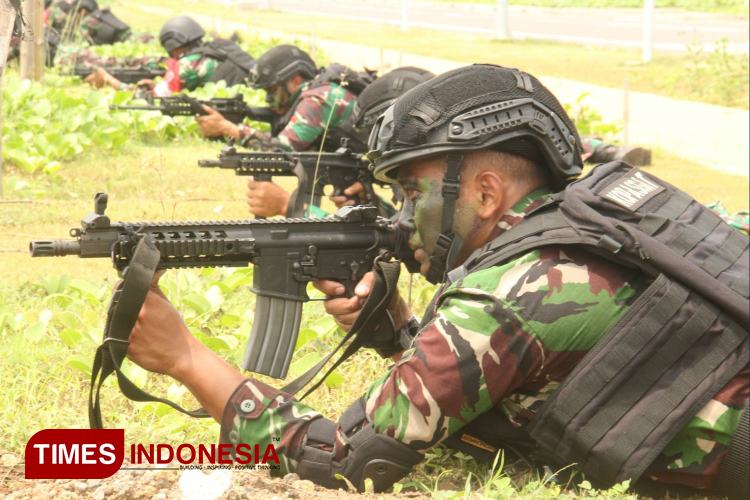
(192, 62)
(495, 344)
(309, 116)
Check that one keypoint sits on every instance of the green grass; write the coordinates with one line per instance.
(737, 7)
(52, 310)
(47, 339)
(717, 78)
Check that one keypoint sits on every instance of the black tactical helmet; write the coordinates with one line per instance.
(383, 92)
(477, 107)
(180, 31)
(279, 64)
(89, 5)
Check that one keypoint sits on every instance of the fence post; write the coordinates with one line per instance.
(648, 29)
(40, 42)
(7, 19)
(404, 15)
(502, 28)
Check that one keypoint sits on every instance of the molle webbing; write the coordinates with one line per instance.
(679, 343)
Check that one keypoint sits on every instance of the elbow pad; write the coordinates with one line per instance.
(377, 457)
(371, 455)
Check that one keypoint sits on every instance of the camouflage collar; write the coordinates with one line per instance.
(295, 97)
(515, 214)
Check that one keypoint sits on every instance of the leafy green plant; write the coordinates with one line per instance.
(589, 122)
(714, 76)
(55, 121)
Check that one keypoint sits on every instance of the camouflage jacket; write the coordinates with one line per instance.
(196, 70)
(501, 339)
(316, 111)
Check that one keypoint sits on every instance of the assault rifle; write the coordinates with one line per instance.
(315, 172)
(125, 75)
(286, 253)
(233, 109)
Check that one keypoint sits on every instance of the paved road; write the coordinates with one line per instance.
(673, 29)
(653, 120)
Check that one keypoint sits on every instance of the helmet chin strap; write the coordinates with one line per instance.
(448, 244)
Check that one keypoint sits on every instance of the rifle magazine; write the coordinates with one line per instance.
(273, 336)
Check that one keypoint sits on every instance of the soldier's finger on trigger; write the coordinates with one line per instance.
(330, 288)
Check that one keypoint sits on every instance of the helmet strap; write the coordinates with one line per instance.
(448, 244)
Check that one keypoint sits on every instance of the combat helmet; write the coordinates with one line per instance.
(280, 63)
(468, 109)
(88, 5)
(383, 92)
(180, 31)
(477, 107)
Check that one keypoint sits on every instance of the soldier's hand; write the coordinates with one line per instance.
(266, 199)
(353, 195)
(160, 341)
(100, 78)
(345, 310)
(214, 124)
(146, 83)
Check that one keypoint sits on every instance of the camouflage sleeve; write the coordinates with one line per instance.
(501, 337)
(460, 366)
(196, 70)
(306, 124)
(317, 111)
(740, 220)
(259, 140)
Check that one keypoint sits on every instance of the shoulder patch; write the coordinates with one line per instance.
(632, 190)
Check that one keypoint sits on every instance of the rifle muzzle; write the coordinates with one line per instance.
(209, 163)
(54, 248)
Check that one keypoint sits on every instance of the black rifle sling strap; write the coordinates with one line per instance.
(370, 319)
(122, 314)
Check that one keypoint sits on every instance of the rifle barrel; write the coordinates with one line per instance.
(54, 248)
(139, 108)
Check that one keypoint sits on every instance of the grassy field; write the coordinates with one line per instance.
(52, 310)
(717, 78)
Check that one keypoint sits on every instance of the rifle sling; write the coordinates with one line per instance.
(126, 303)
(384, 285)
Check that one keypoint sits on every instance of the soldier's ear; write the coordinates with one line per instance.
(489, 189)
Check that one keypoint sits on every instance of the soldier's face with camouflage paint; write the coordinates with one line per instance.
(278, 99)
(422, 213)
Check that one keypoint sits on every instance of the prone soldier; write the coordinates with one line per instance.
(310, 117)
(192, 61)
(600, 322)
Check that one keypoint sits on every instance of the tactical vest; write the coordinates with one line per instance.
(234, 63)
(111, 29)
(680, 342)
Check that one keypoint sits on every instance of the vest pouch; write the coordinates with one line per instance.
(234, 63)
(111, 28)
(641, 383)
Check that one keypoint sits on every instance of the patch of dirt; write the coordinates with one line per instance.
(170, 485)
